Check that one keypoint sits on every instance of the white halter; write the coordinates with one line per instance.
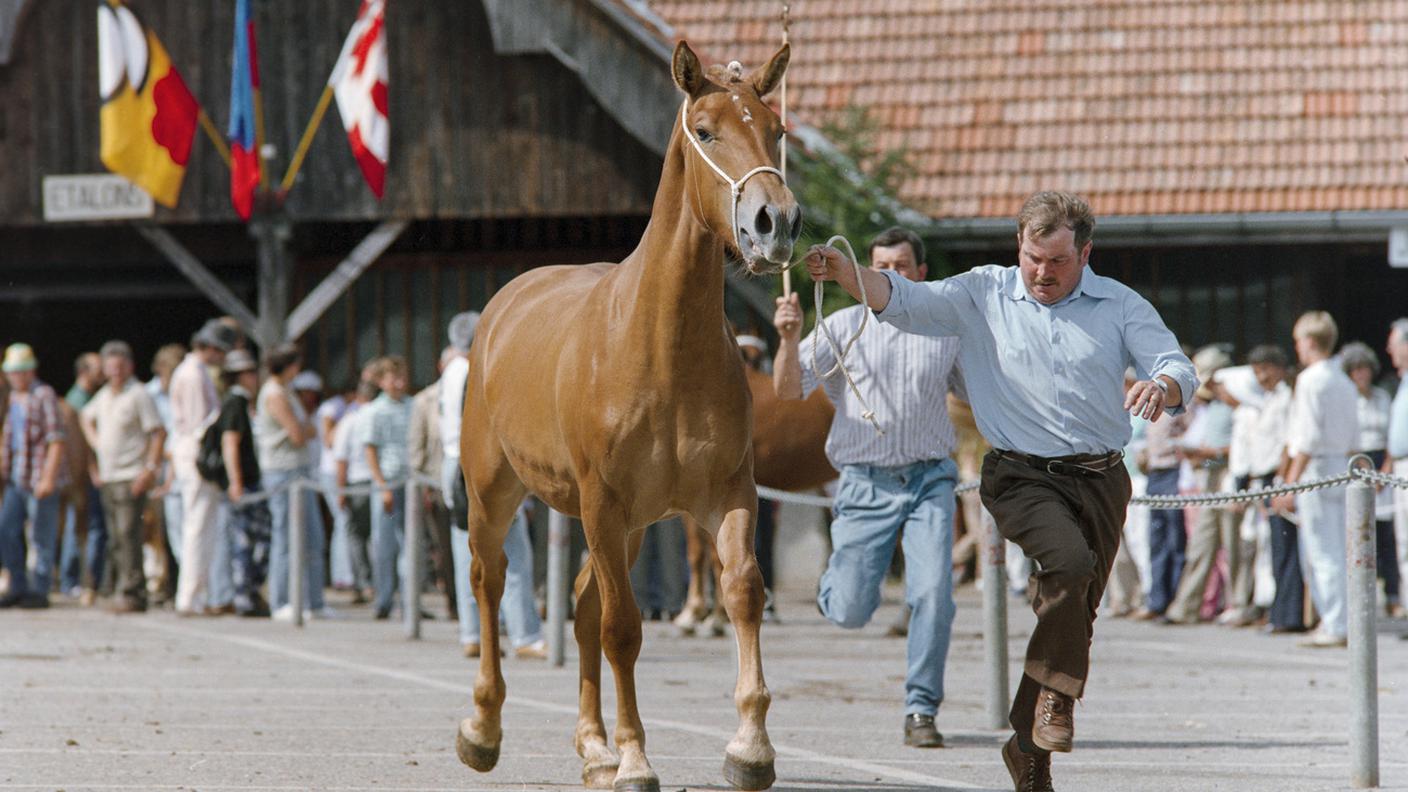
(735, 188)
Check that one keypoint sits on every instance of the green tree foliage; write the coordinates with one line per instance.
(849, 190)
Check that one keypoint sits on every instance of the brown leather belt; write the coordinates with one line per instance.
(1083, 465)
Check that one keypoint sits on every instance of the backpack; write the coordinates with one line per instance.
(210, 459)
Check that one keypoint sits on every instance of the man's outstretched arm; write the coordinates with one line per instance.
(828, 263)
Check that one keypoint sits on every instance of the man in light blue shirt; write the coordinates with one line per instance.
(1043, 347)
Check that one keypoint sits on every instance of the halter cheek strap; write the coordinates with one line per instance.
(735, 188)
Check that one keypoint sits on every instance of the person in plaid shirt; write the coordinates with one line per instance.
(33, 467)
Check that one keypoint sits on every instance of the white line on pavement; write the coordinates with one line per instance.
(858, 765)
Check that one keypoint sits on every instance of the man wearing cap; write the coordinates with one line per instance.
(250, 523)
(1206, 447)
(520, 612)
(194, 406)
(125, 431)
(1044, 346)
(32, 466)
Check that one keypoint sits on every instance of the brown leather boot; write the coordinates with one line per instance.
(1054, 729)
(1031, 772)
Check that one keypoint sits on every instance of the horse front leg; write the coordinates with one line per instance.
(479, 737)
(599, 763)
(749, 758)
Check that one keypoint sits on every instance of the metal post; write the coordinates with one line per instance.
(559, 537)
(1363, 636)
(411, 561)
(297, 527)
(995, 622)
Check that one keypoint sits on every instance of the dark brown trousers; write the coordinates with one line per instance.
(1070, 526)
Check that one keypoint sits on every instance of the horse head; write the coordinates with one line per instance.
(731, 151)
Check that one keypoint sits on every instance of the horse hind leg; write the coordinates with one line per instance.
(698, 553)
(599, 762)
(479, 737)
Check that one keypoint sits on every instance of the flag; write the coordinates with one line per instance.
(148, 116)
(359, 83)
(244, 86)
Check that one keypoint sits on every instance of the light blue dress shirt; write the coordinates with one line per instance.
(1398, 422)
(1046, 380)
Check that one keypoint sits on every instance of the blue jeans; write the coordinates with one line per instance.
(1167, 541)
(222, 582)
(518, 609)
(278, 544)
(388, 538)
(95, 546)
(43, 513)
(872, 505)
(340, 571)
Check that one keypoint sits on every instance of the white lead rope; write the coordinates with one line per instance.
(836, 349)
(736, 190)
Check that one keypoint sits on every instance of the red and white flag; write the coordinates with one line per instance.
(359, 83)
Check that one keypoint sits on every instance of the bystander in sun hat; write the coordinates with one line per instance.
(19, 357)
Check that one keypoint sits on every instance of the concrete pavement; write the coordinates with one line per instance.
(90, 701)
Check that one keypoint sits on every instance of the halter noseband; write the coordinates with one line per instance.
(735, 187)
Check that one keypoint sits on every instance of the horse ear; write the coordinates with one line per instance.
(770, 74)
(685, 68)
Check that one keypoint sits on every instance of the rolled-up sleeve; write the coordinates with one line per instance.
(1153, 350)
(928, 308)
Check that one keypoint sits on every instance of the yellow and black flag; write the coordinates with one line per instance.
(148, 115)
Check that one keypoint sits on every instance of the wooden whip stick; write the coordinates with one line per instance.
(786, 9)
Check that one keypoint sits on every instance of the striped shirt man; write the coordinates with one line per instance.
(904, 378)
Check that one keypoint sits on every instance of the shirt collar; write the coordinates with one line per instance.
(1090, 285)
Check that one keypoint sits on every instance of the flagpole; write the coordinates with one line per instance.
(214, 135)
(306, 141)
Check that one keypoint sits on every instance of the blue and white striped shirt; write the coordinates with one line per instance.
(905, 379)
(1046, 380)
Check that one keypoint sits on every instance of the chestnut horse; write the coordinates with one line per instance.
(789, 454)
(616, 393)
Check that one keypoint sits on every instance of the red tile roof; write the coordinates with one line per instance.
(1143, 106)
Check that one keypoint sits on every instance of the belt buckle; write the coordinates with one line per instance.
(1056, 467)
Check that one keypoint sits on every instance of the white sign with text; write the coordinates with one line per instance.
(95, 196)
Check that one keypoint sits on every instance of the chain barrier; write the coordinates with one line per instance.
(1163, 502)
(351, 489)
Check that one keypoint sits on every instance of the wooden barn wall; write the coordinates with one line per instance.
(473, 134)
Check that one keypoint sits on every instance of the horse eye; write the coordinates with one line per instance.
(703, 135)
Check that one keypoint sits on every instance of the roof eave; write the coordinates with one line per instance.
(1191, 229)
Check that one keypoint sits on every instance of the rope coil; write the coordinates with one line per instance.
(837, 349)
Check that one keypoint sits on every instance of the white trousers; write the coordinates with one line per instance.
(1322, 545)
(1400, 523)
(200, 501)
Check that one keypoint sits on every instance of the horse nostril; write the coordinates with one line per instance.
(795, 223)
(763, 222)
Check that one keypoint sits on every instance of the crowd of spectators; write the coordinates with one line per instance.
(1263, 424)
(175, 491)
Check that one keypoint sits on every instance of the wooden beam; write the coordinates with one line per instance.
(205, 280)
(326, 293)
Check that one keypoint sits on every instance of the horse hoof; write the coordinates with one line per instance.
(752, 777)
(480, 757)
(639, 785)
(599, 776)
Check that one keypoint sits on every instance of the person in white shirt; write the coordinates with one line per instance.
(1322, 433)
(350, 469)
(1361, 365)
(1266, 462)
(519, 609)
(1397, 461)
